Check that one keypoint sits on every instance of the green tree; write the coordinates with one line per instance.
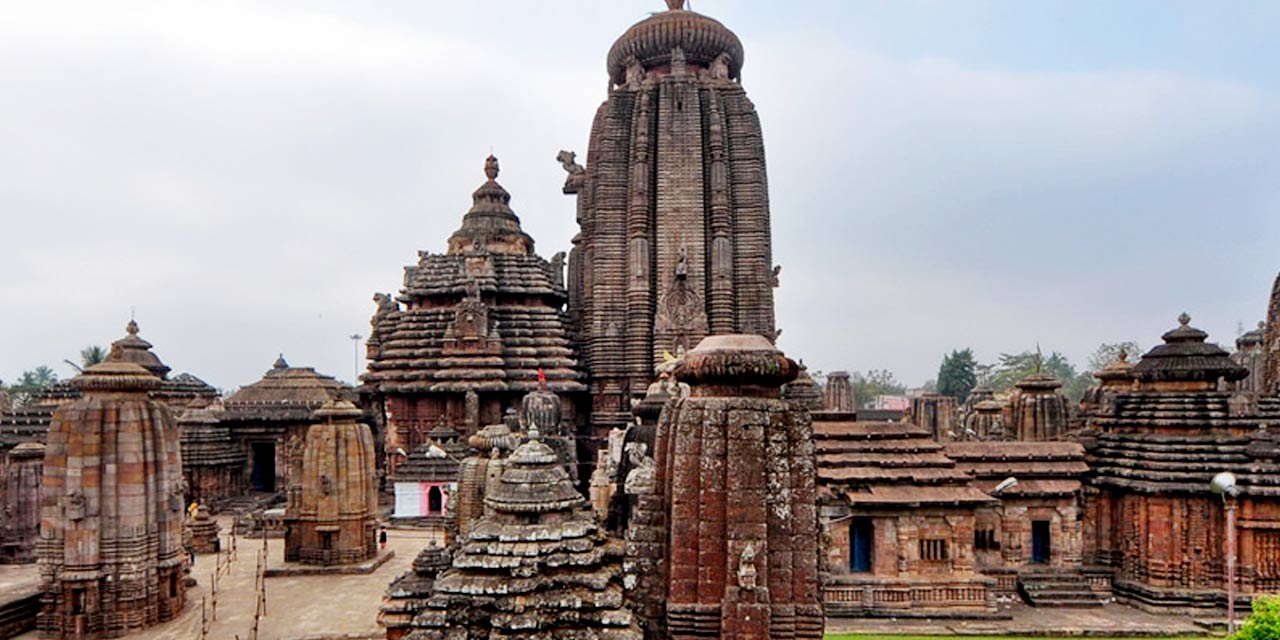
(30, 383)
(1264, 623)
(1013, 367)
(1109, 352)
(875, 382)
(958, 374)
(89, 356)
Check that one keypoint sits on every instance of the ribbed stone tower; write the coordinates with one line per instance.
(110, 547)
(735, 486)
(1271, 343)
(335, 519)
(673, 207)
(20, 502)
(1036, 410)
(839, 392)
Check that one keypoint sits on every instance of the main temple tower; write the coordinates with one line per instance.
(673, 207)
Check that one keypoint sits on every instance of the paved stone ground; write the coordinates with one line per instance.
(18, 580)
(1111, 620)
(346, 606)
(298, 608)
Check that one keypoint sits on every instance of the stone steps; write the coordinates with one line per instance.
(1057, 590)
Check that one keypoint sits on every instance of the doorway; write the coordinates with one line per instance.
(264, 466)
(861, 533)
(1040, 548)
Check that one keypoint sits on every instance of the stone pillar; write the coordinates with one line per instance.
(737, 482)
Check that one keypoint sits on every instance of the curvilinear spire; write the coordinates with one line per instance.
(673, 207)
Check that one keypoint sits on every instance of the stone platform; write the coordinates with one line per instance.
(1111, 620)
(298, 569)
(19, 598)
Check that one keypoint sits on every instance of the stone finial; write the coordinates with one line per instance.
(1184, 319)
(491, 167)
(280, 363)
(675, 5)
(132, 327)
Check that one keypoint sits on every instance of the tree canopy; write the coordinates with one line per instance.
(1264, 623)
(89, 356)
(31, 381)
(958, 374)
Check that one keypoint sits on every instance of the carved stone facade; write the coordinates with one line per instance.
(334, 519)
(673, 207)
(110, 551)
(901, 519)
(213, 465)
(20, 471)
(472, 331)
(734, 502)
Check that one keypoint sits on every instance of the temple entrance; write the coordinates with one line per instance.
(435, 500)
(264, 466)
(1040, 541)
(860, 536)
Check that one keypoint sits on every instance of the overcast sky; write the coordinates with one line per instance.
(942, 174)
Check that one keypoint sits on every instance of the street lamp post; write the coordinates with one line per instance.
(1224, 484)
(355, 358)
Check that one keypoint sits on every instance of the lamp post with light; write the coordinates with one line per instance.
(1224, 484)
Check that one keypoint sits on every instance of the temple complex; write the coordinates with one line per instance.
(673, 208)
(536, 566)
(479, 325)
(1036, 411)
(735, 493)
(110, 550)
(269, 419)
(333, 519)
(1153, 448)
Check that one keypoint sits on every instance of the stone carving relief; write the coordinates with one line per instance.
(681, 312)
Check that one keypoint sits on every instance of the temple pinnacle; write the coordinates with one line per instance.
(491, 167)
(675, 5)
(132, 328)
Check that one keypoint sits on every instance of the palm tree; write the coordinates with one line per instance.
(89, 356)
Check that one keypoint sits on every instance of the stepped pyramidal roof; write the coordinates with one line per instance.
(485, 316)
(538, 566)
